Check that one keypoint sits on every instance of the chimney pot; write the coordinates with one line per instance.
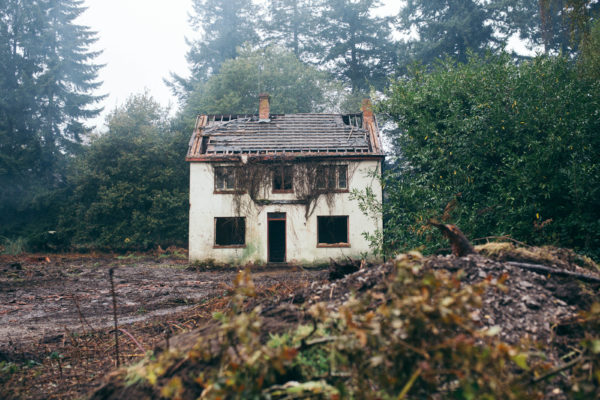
(264, 106)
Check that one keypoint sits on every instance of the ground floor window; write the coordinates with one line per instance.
(332, 231)
(230, 231)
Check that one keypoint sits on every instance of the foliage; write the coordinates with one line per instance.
(589, 64)
(225, 26)
(47, 80)
(587, 374)
(355, 45)
(12, 246)
(294, 86)
(450, 28)
(291, 23)
(445, 28)
(563, 24)
(512, 149)
(254, 181)
(130, 189)
(414, 339)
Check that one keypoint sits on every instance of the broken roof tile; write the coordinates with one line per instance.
(217, 135)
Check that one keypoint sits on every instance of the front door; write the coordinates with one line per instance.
(276, 237)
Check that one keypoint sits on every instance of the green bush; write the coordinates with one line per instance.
(513, 148)
(130, 189)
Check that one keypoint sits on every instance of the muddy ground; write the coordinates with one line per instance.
(56, 313)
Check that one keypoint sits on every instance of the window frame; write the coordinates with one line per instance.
(338, 244)
(228, 246)
(328, 170)
(281, 171)
(233, 169)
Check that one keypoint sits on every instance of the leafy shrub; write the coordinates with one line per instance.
(514, 148)
(130, 189)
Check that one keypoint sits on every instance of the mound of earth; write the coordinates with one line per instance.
(516, 305)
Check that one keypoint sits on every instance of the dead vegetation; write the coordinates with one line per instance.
(437, 327)
(308, 179)
(56, 318)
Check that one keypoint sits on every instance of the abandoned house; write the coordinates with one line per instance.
(277, 188)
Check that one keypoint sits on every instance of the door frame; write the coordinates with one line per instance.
(270, 218)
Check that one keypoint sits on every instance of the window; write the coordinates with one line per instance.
(225, 179)
(283, 178)
(332, 231)
(230, 231)
(332, 177)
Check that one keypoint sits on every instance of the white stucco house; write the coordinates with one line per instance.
(276, 188)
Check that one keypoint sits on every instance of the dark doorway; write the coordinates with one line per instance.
(276, 237)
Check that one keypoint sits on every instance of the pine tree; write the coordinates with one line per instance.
(446, 28)
(291, 24)
(47, 79)
(68, 81)
(224, 26)
(560, 26)
(356, 45)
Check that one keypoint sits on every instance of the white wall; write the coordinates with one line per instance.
(301, 234)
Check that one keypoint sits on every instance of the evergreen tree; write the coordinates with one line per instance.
(68, 80)
(354, 44)
(291, 24)
(294, 86)
(562, 24)
(47, 76)
(224, 26)
(446, 28)
(556, 26)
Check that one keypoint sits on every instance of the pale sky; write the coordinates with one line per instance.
(142, 42)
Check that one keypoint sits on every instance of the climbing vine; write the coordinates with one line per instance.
(254, 183)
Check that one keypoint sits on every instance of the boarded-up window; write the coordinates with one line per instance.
(332, 177)
(283, 178)
(225, 178)
(230, 231)
(332, 230)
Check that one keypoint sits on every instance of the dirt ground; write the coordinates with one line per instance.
(56, 313)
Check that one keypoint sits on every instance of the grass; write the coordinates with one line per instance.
(14, 246)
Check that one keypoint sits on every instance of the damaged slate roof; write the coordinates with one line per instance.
(284, 134)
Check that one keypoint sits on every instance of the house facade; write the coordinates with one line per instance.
(273, 188)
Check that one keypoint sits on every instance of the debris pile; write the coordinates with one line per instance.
(494, 301)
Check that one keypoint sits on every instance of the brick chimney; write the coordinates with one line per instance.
(367, 110)
(370, 126)
(263, 106)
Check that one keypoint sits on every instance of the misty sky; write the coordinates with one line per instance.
(144, 40)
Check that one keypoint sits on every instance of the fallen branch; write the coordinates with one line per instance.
(134, 340)
(554, 271)
(555, 371)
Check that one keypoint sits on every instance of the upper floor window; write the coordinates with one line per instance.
(332, 177)
(283, 176)
(225, 179)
